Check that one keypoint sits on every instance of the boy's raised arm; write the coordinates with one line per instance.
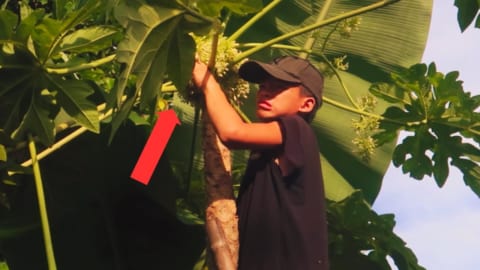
(229, 126)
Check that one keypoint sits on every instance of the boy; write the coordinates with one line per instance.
(281, 208)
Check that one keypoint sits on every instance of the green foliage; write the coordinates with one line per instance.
(153, 41)
(36, 62)
(241, 7)
(467, 12)
(438, 116)
(56, 67)
(367, 239)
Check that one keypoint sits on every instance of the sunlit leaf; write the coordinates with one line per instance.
(140, 20)
(91, 39)
(72, 97)
(3, 153)
(37, 121)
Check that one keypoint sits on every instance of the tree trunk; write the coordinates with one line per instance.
(221, 220)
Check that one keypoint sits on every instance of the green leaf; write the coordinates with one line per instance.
(241, 7)
(440, 159)
(390, 93)
(8, 22)
(49, 33)
(27, 25)
(471, 173)
(37, 121)
(44, 36)
(91, 39)
(72, 97)
(181, 59)
(467, 11)
(367, 239)
(140, 21)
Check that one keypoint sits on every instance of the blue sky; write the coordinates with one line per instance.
(442, 226)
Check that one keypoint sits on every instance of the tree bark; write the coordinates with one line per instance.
(221, 213)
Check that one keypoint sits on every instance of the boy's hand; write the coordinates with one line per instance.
(201, 76)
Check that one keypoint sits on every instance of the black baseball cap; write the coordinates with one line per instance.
(286, 68)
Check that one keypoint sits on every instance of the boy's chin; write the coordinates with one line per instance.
(264, 117)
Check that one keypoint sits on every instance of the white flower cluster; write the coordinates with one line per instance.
(226, 72)
(365, 127)
(348, 26)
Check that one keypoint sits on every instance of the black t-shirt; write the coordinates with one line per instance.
(282, 219)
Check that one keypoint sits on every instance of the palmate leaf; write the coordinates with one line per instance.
(37, 121)
(439, 111)
(72, 97)
(140, 21)
(390, 38)
(49, 33)
(155, 48)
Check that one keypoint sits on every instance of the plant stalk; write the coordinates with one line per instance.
(89, 65)
(315, 26)
(42, 206)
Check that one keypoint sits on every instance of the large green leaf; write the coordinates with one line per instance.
(140, 21)
(390, 38)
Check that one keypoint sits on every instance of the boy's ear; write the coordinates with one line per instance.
(307, 105)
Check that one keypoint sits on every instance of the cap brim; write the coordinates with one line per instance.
(257, 72)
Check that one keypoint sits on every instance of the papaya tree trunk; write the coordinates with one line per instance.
(221, 213)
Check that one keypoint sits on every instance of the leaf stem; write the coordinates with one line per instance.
(312, 38)
(89, 65)
(362, 112)
(340, 80)
(42, 205)
(314, 26)
(253, 20)
(195, 14)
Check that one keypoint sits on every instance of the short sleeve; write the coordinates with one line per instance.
(292, 128)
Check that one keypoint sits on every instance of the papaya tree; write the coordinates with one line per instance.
(284, 36)
(100, 65)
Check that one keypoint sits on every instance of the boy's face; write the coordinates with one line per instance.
(277, 98)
